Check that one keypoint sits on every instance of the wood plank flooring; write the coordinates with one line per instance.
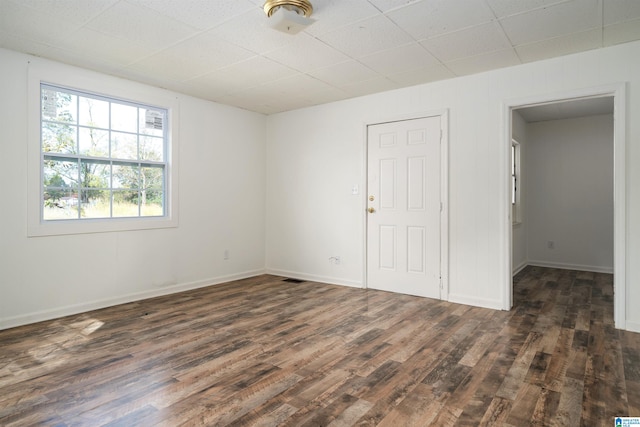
(267, 352)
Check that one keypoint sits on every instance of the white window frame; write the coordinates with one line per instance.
(45, 72)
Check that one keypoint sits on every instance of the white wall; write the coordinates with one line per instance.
(570, 193)
(222, 190)
(519, 231)
(315, 155)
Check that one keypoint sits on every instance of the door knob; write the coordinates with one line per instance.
(371, 210)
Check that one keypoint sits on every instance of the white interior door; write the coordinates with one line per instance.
(404, 204)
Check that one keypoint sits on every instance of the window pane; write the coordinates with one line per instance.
(60, 173)
(94, 142)
(59, 204)
(59, 106)
(125, 203)
(151, 190)
(124, 118)
(152, 122)
(94, 113)
(95, 203)
(125, 176)
(154, 203)
(95, 174)
(124, 146)
(58, 138)
(151, 148)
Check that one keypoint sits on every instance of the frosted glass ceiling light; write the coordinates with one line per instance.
(289, 16)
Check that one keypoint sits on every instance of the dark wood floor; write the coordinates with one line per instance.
(268, 352)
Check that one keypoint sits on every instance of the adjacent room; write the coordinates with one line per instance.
(319, 213)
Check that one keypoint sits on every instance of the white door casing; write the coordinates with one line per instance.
(404, 203)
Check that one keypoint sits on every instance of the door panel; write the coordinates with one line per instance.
(403, 225)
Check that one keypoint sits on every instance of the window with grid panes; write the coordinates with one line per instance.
(101, 157)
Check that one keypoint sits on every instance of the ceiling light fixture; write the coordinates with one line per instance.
(289, 16)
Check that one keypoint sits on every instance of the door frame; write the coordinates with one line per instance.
(444, 192)
(618, 92)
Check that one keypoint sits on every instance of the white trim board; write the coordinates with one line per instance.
(564, 266)
(70, 310)
(316, 278)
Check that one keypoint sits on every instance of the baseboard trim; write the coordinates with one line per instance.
(563, 266)
(315, 278)
(519, 268)
(40, 316)
(476, 302)
(632, 326)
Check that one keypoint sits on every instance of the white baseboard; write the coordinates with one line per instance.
(315, 278)
(563, 266)
(69, 310)
(476, 302)
(519, 268)
(632, 326)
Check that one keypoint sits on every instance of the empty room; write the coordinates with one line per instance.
(319, 213)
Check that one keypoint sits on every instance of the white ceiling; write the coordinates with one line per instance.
(224, 50)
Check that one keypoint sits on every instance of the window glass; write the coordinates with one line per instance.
(101, 157)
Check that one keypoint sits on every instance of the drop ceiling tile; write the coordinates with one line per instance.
(470, 41)
(367, 87)
(422, 75)
(366, 37)
(344, 73)
(333, 14)
(504, 8)
(484, 62)
(140, 25)
(251, 31)
(193, 57)
(213, 90)
(306, 53)
(559, 46)
(34, 25)
(429, 18)
(72, 11)
(200, 14)
(622, 32)
(302, 87)
(252, 72)
(19, 44)
(89, 62)
(387, 5)
(109, 49)
(621, 10)
(558, 20)
(399, 59)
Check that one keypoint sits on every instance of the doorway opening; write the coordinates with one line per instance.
(594, 200)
